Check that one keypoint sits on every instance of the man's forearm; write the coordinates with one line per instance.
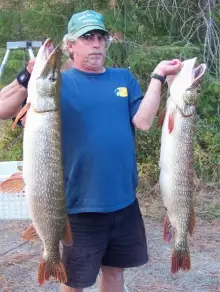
(149, 106)
(11, 99)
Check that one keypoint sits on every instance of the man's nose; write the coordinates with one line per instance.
(96, 41)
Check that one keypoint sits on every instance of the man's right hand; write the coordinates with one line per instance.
(30, 65)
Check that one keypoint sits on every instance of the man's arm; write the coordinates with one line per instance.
(13, 95)
(11, 98)
(148, 108)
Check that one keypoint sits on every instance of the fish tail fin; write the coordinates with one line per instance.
(47, 269)
(167, 230)
(180, 260)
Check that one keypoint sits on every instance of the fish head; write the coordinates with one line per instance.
(48, 79)
(45, 78)
(186, 86)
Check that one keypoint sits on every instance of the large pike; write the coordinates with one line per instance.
(42, 174)
(177, 160)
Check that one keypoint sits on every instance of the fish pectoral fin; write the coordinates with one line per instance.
(180, 260)
(171, 121)
(20, 114)
(30, 233)
(192, 221)
(161, 117)
(68, 239)
(14, 184)
(167, 230)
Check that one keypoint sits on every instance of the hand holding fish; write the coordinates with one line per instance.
(170, 67)
(30, 65)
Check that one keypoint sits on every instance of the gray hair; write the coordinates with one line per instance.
(66, 39)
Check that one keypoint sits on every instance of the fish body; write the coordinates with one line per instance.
(42, 164)
(177, 161)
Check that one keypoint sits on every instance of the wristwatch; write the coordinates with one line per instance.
(23, 78)
(159, 77)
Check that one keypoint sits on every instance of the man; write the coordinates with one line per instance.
(100, 107)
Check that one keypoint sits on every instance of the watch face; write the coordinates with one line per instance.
(22, 77)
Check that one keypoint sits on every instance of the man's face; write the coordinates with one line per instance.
(89, 50)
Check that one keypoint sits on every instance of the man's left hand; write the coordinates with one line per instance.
(166, 68)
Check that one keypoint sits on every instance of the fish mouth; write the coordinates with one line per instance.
(189, 76)
(48, 47)
(199, 71)
(53, 56)
(196, 71)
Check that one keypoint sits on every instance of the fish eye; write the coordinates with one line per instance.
(52, 78)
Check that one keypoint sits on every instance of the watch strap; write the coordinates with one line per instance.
(159, 77)
(23, 78)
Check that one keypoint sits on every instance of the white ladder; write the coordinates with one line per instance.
(28, 45)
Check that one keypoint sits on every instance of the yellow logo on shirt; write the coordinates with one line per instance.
(121, 91)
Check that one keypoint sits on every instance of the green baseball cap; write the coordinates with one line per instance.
(83, 22)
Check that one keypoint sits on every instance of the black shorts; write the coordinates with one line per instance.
(115, 239)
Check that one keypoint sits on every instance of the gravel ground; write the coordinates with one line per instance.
(18, 266)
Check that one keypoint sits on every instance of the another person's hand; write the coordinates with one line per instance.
(30, 65)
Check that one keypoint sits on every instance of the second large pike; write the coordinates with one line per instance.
(42, 164)
(177, 161)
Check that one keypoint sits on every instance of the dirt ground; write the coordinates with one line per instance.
(19, 260)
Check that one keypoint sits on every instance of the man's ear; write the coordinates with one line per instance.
(70, 46)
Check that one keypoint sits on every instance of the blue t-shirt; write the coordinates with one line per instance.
(98, 139)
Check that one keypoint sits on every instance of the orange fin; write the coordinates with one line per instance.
(167, 230)
(161, 117)
(192, 222)
(14, 184)
(180, 260)
(22, 112)
(68, 239)
(171, 121)
(47, 269)
(30, 233)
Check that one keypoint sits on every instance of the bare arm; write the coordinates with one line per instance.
(149, 106)
(11, 99)
(12, 96)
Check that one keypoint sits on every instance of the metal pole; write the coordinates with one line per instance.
(31, 53)
(4, 62)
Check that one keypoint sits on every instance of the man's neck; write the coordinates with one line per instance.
(89, 70)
